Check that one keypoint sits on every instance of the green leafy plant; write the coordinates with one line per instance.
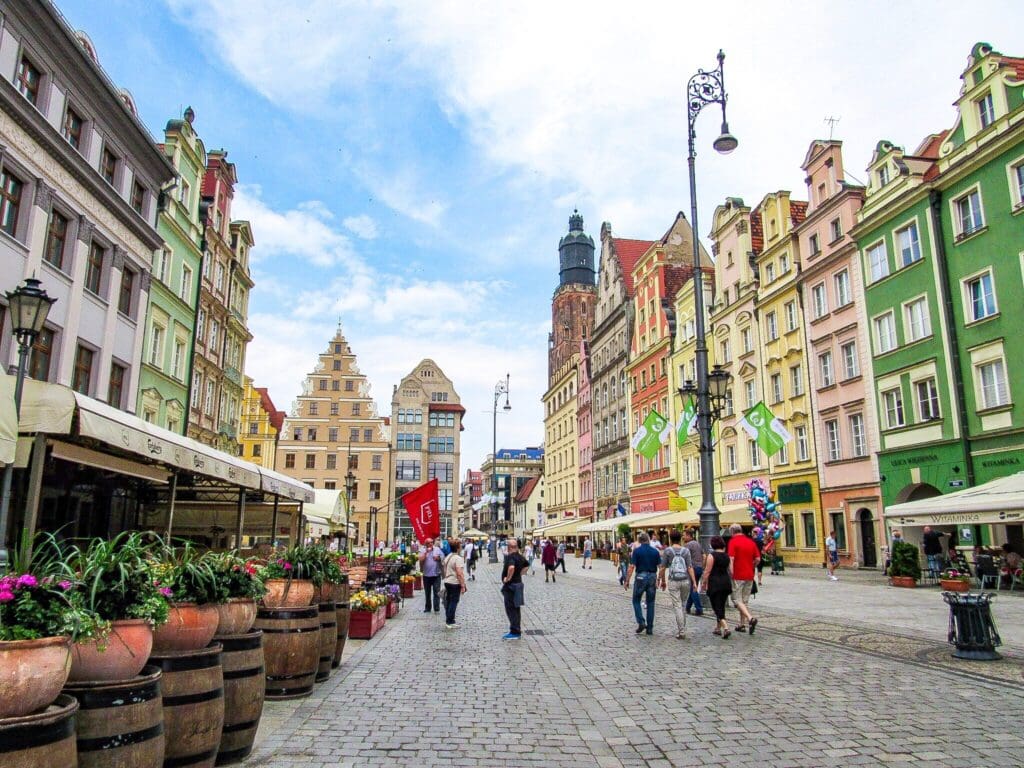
(954, 574)
(296, 562)
(190, 574)
(116, 579)
(625, 532)
(236, 576)
(35, 594)
(905, 561)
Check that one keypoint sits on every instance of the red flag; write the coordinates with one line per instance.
(423, 509)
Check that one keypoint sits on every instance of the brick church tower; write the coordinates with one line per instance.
(572, 307)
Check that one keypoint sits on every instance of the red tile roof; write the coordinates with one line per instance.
(676, 276)
(1017, 65)
(797, 211)
(276, 417)
(929, 149)
(527, 489)
(756, 231)
(446, 407)
(628, 253)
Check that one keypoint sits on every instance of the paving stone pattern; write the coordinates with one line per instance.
(588, 692)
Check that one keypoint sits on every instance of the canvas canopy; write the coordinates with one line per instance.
(561, 528)
(8, 420)
(998, 502)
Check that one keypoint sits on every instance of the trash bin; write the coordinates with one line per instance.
(971, 628)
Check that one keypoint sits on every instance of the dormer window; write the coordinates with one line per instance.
(986, 111)
(883, 175)
(28, 81)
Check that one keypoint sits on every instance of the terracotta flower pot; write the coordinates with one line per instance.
(328, 592)
(288, 593)
(955, 585)
(236, 616)
(121, 655)
(189, 628)
(907, 582)
(32, 672)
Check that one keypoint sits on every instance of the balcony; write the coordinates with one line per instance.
(229, 429)
(233, 375)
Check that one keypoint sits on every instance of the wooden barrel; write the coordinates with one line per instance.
(291, 650)
(342, 615)
(44, 739)
(193, 695)
(242, 660)
(120, 723)
(328, 639)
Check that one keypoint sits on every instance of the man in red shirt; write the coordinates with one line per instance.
(743, 557)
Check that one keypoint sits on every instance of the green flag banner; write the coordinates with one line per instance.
(687, 422)
(762, 425)
(653, 433)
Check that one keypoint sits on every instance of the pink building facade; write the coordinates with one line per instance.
(584, 425)
(839, 359)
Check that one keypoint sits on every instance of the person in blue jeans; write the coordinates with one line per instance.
(697, 558)
(644, 564)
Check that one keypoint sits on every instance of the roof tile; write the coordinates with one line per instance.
(628, 253)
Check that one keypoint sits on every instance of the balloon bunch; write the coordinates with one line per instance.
(765, 512)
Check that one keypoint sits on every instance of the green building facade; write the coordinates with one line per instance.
(941, 241)
(174, 293)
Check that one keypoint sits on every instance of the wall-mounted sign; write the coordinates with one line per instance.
(794, 493)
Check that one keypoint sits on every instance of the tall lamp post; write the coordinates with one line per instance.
(29, 306)
(501, 388)
(350, 484)
(705, 88)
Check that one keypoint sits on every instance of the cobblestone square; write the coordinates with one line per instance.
(585, 689)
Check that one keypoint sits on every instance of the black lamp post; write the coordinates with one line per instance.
(350, 484)
(703, 89)
(29, 305)
(501, 388)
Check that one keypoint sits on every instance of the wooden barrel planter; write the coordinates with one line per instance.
(193, 703)
(120, 723)
(328, 639)
(43, 739)
(242, 661)
(291, 650)
(342, 614)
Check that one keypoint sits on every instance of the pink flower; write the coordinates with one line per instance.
(166, 591)
(27, 580)
(287, 566)
(65, 585)
(6, 597)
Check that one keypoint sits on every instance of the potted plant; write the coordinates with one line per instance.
(328, 572)
(367, 614)
(407, 584)
(417, 577)
(239, 582)
(37, 624)
(195, 590)
(123, 600)
(904, 568)
(953, 580)
(287, 578)
(393, 594)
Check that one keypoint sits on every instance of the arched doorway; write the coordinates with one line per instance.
(917, 491)
(867, 538)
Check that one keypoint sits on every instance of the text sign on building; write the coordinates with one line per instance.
(795, 493)
(736, 495)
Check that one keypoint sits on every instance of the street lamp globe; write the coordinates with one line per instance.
(29, 307)
(350, 483)
(726, 142)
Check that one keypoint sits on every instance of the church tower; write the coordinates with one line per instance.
(572, 307)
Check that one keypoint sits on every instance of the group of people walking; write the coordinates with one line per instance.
(449, 569)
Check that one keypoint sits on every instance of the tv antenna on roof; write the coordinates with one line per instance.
(831, 125)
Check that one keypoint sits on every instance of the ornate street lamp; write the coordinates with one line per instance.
(29, 305)
(704, 88)
(501, 388)
(350, 484)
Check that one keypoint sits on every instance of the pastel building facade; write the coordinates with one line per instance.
(261, 425)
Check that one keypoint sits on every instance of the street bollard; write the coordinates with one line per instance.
(971, 627)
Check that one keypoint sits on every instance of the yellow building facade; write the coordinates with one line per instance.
(785, 385)
(561, 444)
(260, 425)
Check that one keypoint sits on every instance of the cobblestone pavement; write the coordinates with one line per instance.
(589, 691)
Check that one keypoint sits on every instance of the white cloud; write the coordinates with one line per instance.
(361, 226)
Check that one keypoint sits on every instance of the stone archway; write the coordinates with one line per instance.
(917, 491)
(868, 543)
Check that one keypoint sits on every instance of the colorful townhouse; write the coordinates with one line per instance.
(842, 384)
(585, 434)
(658, 276)
(793, 470)
(174, 290)
(737, 238)
(260, 426)
(940, 241)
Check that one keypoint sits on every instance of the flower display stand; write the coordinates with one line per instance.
(363, 625)
(418, 584)
(392, 610)
(408, 587)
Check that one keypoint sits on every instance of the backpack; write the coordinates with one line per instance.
(677, 570)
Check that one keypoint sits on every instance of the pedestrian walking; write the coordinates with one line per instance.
(588, 554)
(561, 556)
(932, 541)
(454, 583)
(430, 565)
(743, 557)
(624, 551)
(644, 562)
(549, 559)
(676, 577)
(470, 552)
(832, 552)
(717, 583)
(529, 554)
(512, 589)
(697, 560)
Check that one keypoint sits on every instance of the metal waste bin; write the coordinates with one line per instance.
(971, 628)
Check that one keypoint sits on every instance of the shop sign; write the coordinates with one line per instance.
(914, 461)
(956, 483)
(741, 495)
(795, 493)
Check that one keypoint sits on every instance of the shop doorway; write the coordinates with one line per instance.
(867, 538)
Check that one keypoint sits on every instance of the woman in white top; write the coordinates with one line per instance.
(529, 554)
(454, 571)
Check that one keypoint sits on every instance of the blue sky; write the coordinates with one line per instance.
(409, 167)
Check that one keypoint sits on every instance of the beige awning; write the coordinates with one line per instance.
(561, 528)
(282, 485)
(999, 501)
(8, 420)
(642, 518)
(328, 506)
(78, 454)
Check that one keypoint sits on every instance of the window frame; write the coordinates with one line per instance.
(75, 139)
(81, 369)
(116, 384)
(909, 226)
(1015, 178)
(959, 233)
(934, 406)
(52, 236)
(11, 200)
(890, 315)
(94, 267)
(858, 435)
(999, 360)
(819, 300)
(843, 288)
(826, 369)
(968, 297)
(908, 320)
(850, 372)
(833, 440)
(869, 251)
(31, 92)
(897, 408)
(108, 154)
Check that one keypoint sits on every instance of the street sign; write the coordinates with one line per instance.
(956, 483)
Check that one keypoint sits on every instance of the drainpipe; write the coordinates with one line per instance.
(204, 209)
(935, 209)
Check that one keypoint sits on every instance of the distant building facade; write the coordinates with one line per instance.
(512, 468)
(260, 426)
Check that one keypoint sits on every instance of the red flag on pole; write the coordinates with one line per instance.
(423, 509)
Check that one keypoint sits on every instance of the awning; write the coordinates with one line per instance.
(615, 522)
(663, 519)
(999, 501)
(561, 528)
(326, 505)
(317, 526)
(474, 533)
(78, 454)
(282, 485)
(8, 420)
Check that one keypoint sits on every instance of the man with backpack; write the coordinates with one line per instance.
(676, 577)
